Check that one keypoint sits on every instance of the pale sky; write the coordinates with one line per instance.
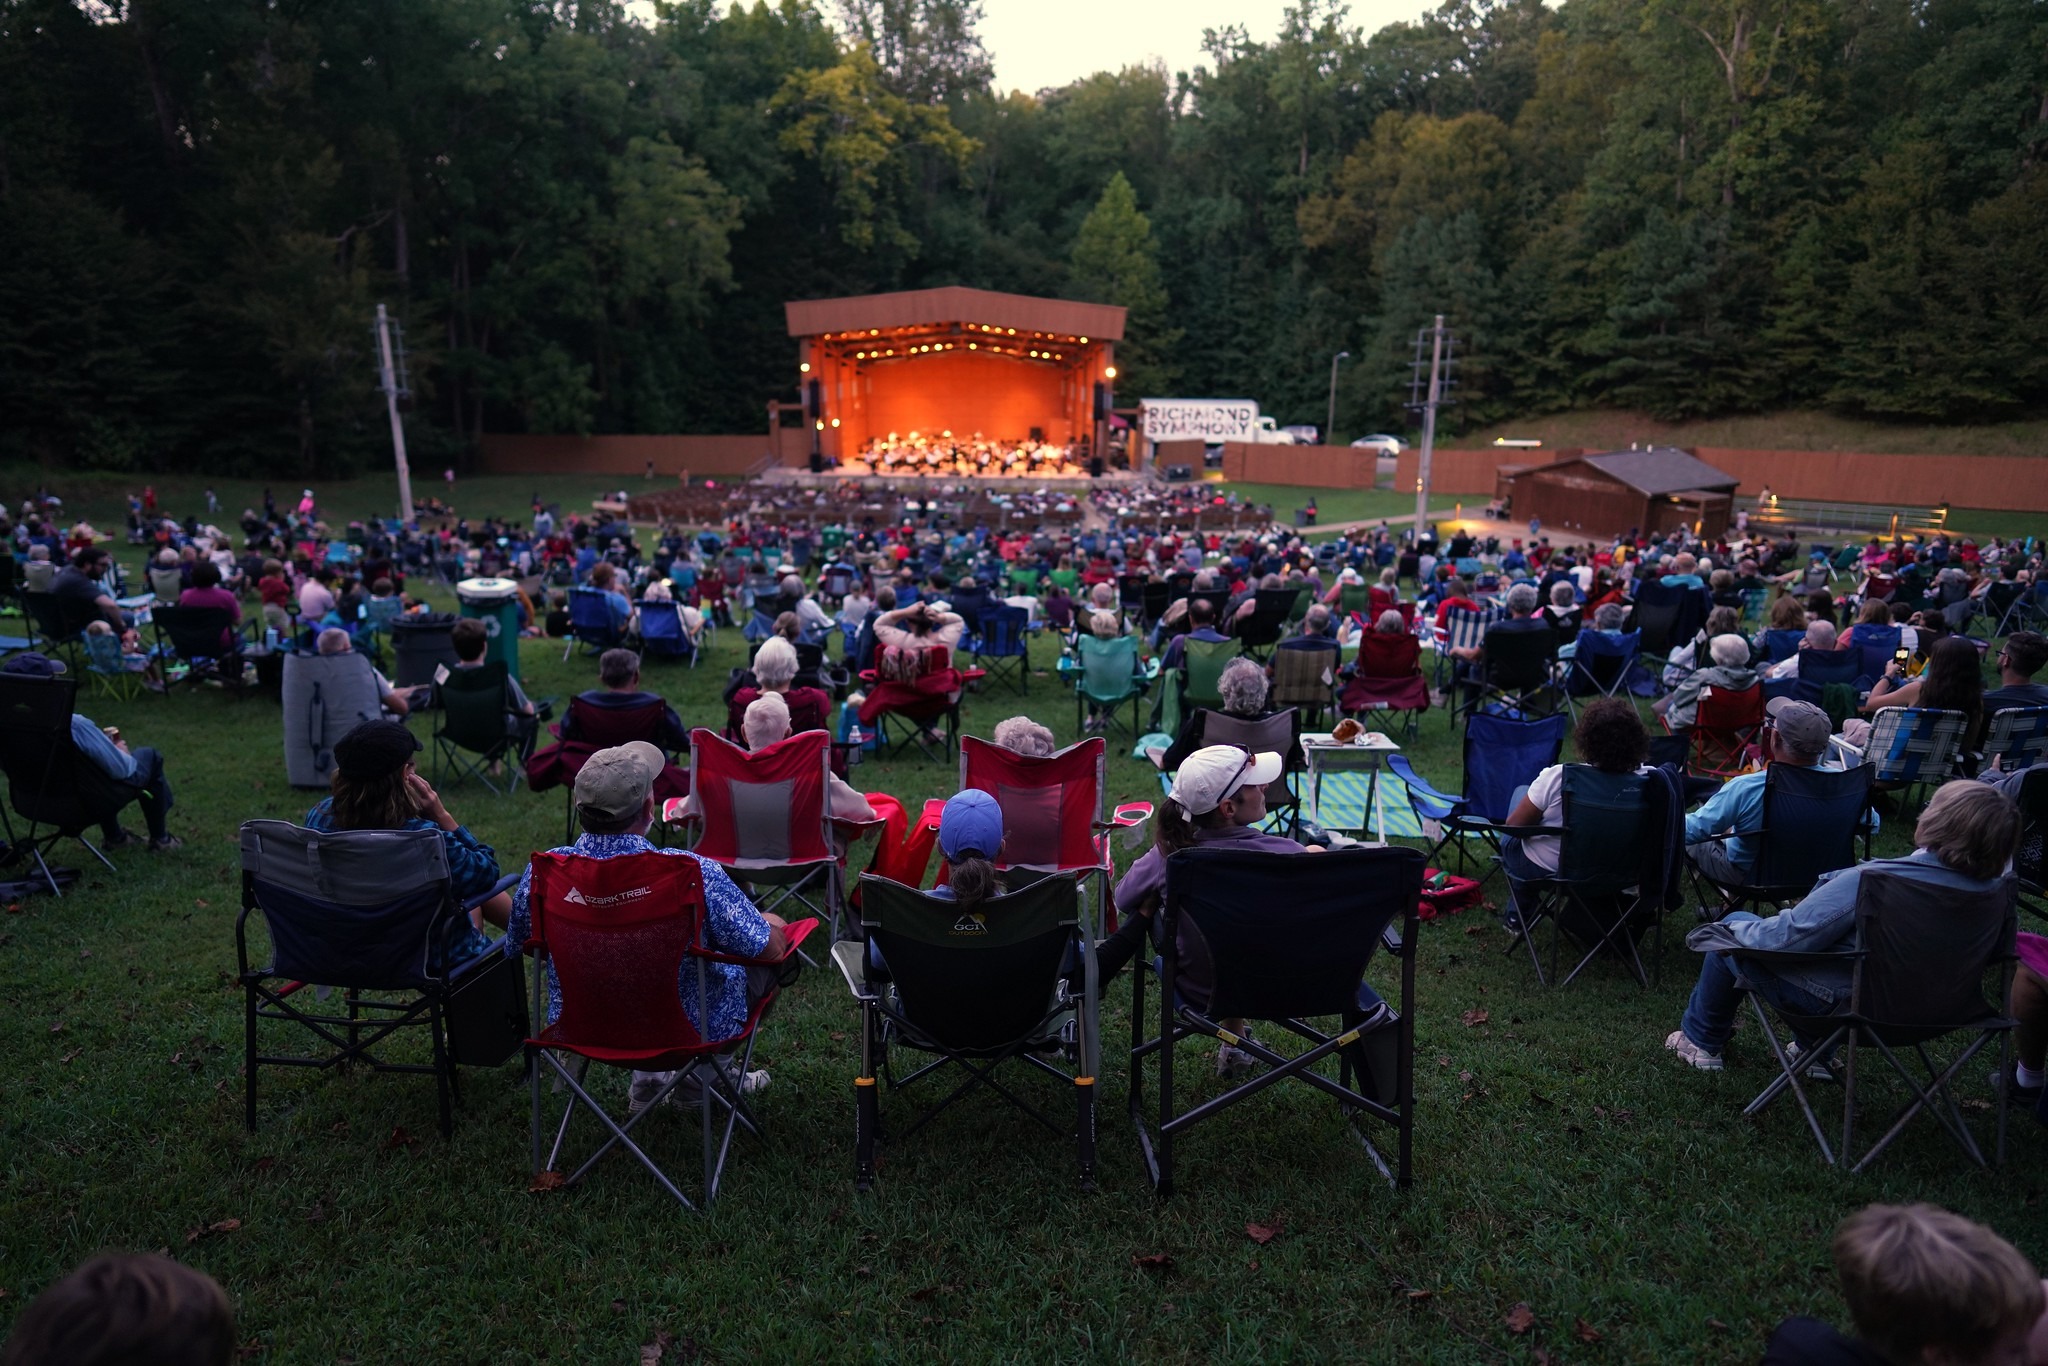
(1040, 43)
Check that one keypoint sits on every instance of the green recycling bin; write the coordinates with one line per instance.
(495, 602)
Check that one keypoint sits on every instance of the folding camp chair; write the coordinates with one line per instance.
(50, 783)
(1614, 867)
(1819, 668)
(363, 912)
(1724, 727)
(1516, 672)
(1305, 677)
(1601, 664)
(1500, 755)
(205, 640)
(1002, 648)
(590, 623)
(1108, 673)
(1464, 629)
(1875, 647)
(1781, 645)
(599, 728)
(107, 666)
(1284, 960)
(1810, 820)
(1272, 609)
(662, 635)
(926, 707)
(1205, 661)
(764, 817)
(1667, 618)
(2016, 606)
(1912, 747)
(1917, 969)
(57, 624)
(625, 940)
(760, 625)
(2017, 738)
(975, 990)
(2030, 865)
(470, 719)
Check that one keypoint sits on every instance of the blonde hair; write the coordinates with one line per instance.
(1971, 827)
(1917, 1276)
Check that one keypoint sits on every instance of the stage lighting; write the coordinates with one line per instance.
(1109, 371)
(804, 368)
(835, 422)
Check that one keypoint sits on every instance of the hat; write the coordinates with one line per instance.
(1801, 725)
(971, 823)
(375, 749)
(34, 665)
(1213, 772)
(613, 783)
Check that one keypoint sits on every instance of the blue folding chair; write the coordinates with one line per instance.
(1913, 746)
(590, 623)
(1464, 629)
(1781, 645)
(1811, 817)
(2017, 738)
(1601, 662)
(1003, 647)
(662, 635)
(1501, 756)
(1875, 647)
(1819, 668)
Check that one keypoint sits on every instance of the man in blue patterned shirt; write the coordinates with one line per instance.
(614, 796)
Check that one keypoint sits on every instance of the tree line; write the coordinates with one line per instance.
(588, 221)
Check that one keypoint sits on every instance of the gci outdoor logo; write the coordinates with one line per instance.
(974, 922)
(576, 897)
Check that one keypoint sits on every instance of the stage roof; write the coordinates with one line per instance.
(954, 304)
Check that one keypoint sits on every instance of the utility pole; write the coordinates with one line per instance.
(390, 378)
(1330, 427)
(1442, 345)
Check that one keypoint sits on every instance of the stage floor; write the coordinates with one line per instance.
(898, 483)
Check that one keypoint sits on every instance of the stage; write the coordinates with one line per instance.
(834, 478)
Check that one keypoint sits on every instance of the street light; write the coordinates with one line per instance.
(1330, 427)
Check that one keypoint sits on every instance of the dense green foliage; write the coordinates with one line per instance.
(1690, 207)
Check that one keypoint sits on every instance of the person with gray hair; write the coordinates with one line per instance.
(1729, 671)
(1243, 688)
(766, 722)
(335, 641)
(811, 619)
(1521, 604)
(38, 571)
(618, 670)
(1022, 735)
(1820, 635)
(774, 674)
(166, 577)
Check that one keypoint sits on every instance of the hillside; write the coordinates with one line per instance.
(1790, 430)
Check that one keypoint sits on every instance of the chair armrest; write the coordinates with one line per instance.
(1787, 958)
(503, 884)
(848, 956)
(793, 936)
(672, 812)
(1473, 825)
(1390, 938)
(856, 831)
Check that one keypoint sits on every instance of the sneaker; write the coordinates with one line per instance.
(646, 1086)
(120, 839)
(168, 842)
(1232, 1061)
(691, 1092)
(1692, 1052)
(1816, 1071)
(2016, 1093)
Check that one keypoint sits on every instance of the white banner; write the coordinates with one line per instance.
(1200, 419)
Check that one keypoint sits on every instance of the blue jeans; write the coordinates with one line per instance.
(1710, 1014)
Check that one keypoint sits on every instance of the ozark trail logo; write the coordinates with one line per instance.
(576, 897)
(974, 922)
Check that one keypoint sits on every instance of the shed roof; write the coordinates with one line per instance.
(1660, 470)
(954, 304)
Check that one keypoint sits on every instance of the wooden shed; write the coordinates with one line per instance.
(1657, 490)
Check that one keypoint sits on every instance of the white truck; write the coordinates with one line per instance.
(1210, 420)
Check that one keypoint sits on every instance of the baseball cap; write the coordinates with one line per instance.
(375, 749)
(34, 665)
(971, 823)
(1801, 725)
(1213, 772)
(613, 783)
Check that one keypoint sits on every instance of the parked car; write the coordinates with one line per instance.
(1381, 442)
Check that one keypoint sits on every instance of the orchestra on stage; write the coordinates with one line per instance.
(946, 455)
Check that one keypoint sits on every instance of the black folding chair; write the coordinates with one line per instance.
(1917, 974)
(1810, 820)
(360, 911)
(205, 640)
(50, 782)
(1285, 960)
(1275, 734)
(1667, 618)
(1615, 861)
(470, 720)
(1272, 609)
(2030, 865)
(1516, 674)
(56, 623)
(974, 990)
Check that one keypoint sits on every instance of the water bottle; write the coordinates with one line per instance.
(270, 639)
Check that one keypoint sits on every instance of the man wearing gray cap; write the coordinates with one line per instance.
(1794, 733)
(615, 804)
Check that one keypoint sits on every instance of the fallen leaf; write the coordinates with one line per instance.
(400, 1139)
(1153, 1261)
(1520, 1319)
(193, 1235)
(252, 1348)
(1541, 1099)
(1464, 1078)
(57, 1028)
(838, 1036)
(264, 1164)
(1418, 1296)
(1717, 1324)
(618, 1306)
(66, 1059)
(1585, 1332)
(1474, 1018)
(1263, 1233)
(201, 901)
(340, 1126)
(1542, 1357)
(543, 1182)
(1252, 1265)
(1475, 929)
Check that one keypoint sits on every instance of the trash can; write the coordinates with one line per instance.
(495, 602)
(423, 644)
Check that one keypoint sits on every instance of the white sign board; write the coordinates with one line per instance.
(1200, 419)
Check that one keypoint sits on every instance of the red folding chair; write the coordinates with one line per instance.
(600, 728)
(619, 935)
(1723, 729)
(929, 702)
(763, 817)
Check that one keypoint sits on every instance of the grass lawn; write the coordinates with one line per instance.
(1564, 1159)
(1339, 505)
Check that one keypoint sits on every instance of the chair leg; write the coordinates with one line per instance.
(249, 1056)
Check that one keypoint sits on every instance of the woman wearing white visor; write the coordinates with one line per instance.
(1218, 797)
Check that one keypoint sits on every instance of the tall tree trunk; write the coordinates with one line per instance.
(159, 91)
